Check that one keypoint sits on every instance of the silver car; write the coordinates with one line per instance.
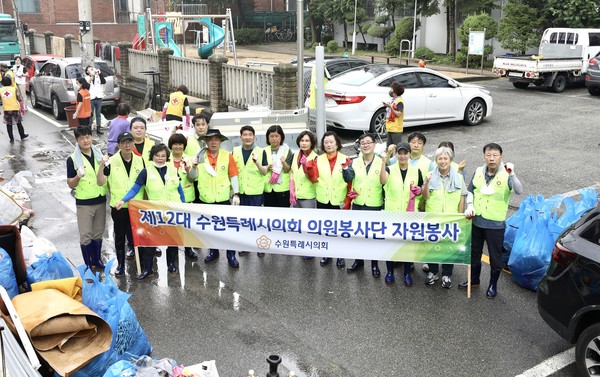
(53, 86)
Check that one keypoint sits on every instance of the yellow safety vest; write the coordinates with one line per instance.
(119, 182)
(9, 98)
(441, 200)
(148, 144)
(193, 146)
(214, 189)
(304, 188)
(176, 101)
(157, 190)
(397, 192)
(367, 185)
(187, 186)
(250, 179)
(331, 187)
(88, 188)
(491, 206)
(397, 124)
(285, 177)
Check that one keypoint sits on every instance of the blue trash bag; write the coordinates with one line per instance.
(122, 368)
(531, 251)
(7, 274)
(589, 199)
(515, 222)
(51, 267)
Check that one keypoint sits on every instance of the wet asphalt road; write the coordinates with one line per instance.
(322, 320)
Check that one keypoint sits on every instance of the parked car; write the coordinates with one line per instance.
(34, 62)
(333, 67)
(354, 98)
(54, 85)
(592, 77)
(568, 296)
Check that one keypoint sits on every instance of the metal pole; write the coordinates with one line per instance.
(320, 90)
(300, 46)
(414, 38)
(354, 32)
(87, 37)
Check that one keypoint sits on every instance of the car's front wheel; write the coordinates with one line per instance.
(475, 112)
(587, 351)
(57, 109)
(378, 123)
(34, 100)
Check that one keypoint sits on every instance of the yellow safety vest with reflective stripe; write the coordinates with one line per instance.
(250, 179)
(331, 187)
(441, 200)
(214, 189)
(494, 205)
(285, 177)
(88, 188)
(397, 191)
(187, 186)
(176, 101)
(119, 182)
(304, 188)
(367, 185)
(157, 190)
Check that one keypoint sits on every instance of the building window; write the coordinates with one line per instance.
(28, 6)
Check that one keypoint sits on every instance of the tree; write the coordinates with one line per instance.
(574, 13)
(520, 28)
(477, 23)
(361, 16)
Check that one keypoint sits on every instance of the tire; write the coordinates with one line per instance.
(559, 84)
(378, 123)
(587, 348)
(521, 85)
(594, 90)
(475, 112)
(34, 100)
(57, 109)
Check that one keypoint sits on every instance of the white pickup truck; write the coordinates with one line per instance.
(563, 58)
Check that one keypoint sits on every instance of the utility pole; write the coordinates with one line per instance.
(86, 43)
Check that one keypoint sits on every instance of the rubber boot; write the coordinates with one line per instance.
(96, 255)
(147, 259)
(85, 252)
(475, 274)
(389, 277)
(120, 271)
(171, 256)
(190, 253)
(375, 269)
(408, 281)
(358, 264)
(233, 262)
(22, 133)
(493, 288)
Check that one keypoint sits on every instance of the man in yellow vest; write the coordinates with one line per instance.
(120, 172)
(90, 198)
(487, 204)
(216, 177)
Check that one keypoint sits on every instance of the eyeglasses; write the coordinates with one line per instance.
(365, 143)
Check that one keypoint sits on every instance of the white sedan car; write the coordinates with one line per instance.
(354, 98)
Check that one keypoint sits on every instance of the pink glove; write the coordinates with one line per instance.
(293, 198)
(274, 178)
(164, 114)
(415, 190)
(303, 159)
(186, 125)
(352, 194)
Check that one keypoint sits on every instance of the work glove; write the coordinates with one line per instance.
(274, 178)
(235, 201)
(352, 194)
(74, 116)
(106, 160)
(510, 168)
(470, 212)
(303, 159)
(81, 172)
(254, 158)
(346, 163)
(415, 190)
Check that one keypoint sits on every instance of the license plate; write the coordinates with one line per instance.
(515, 74)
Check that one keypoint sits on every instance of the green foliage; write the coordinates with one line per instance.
(365, 28)
(332, 46)
(520, 29)
(574, 13)
(382, 19)
(477, 23)
(249, 36)
(425, 53)
(474, 60)
(404, 30)
(326, 38)
(475, 6)
(445, 59)
(377, 31)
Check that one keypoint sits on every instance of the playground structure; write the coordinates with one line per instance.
(162, 31)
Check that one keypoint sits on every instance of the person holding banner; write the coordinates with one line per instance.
(142, 144)
(487, 204)
(181, 163)
(161, 182)
(402, 186)
(333, 178)
(120, 172)
(216, 176)
(250, 178)
(276, 166)
(444, 190)
(368, 188)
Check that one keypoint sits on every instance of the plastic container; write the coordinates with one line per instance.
(69, 111)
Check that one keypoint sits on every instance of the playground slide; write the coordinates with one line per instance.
(216, 34)
(159, 26)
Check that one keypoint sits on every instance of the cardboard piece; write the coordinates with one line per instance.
(65, 333)
(69, 286)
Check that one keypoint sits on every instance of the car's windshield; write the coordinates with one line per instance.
(8, 32)
(359, 76)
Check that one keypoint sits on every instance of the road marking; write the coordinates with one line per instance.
(43, 116)
(551, 365)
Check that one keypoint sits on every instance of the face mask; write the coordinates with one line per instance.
(158, 165)
(391, 93)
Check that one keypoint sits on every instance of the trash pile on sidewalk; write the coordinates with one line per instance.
(532, 231)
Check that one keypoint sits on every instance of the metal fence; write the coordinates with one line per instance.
(141, 61)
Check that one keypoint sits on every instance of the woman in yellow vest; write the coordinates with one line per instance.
(444, 191)
(12, 105)
(394, 120)
(276, 166)
(178, 105)
(333, 178)
(161, 182)
(402, 185)
(121, 171)
(367, 188)
(83, 110)
(183, 164)
(141, 143)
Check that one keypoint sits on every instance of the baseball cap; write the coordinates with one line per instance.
(124, 136)
(404, 146)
